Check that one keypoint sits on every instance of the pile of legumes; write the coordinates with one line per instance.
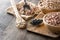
(53, 18)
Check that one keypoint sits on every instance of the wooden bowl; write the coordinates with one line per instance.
(45, 6)
(52, 28)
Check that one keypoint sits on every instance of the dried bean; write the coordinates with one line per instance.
(53, 18)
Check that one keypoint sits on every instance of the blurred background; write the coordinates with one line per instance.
(8, 31)
(7, 22)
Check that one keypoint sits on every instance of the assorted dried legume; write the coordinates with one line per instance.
(53, 18)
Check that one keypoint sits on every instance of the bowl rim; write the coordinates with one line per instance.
(46, 22)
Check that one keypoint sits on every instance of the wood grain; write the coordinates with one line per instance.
(8, 31)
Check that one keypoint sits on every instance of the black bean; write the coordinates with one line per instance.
(36, 21)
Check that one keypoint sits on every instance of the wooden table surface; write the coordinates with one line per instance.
(8, 30)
